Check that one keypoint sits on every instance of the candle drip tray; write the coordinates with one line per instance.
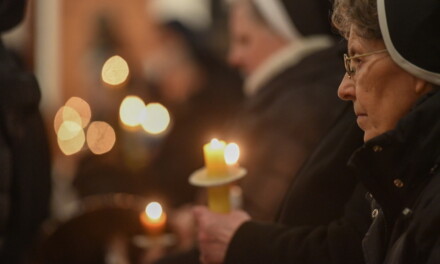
(200, 177)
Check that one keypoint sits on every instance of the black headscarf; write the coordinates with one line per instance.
(11, 13)
(411, 31)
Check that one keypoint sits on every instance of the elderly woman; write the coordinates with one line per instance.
(393, 73)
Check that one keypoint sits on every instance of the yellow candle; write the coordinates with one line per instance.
(218, 199)
(215, 163)
(153, 219)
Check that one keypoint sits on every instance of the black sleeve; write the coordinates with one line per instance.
(338, 242)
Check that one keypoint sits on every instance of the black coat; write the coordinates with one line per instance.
(325, 214)
(24, 161)
(282, 124)
(401, 170)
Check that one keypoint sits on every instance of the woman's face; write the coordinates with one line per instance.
(251, 42)
(381, 91)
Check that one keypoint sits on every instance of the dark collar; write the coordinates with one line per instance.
(395, 165)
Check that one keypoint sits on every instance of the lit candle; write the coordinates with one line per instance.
(154, 218)
(215, 163)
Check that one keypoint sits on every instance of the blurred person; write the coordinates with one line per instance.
(291, 67)
(24, 152)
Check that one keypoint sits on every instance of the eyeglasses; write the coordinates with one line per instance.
(347, 61)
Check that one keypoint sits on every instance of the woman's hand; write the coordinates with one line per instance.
(215, 231)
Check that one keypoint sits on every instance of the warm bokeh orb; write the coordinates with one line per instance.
(101, 137)
(131, 110)
(68, 130)
(155, 118)
(70, 137)
(82, 108)
(115, 71)
(66, 113)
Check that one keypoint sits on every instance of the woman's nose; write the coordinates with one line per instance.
(346, 90)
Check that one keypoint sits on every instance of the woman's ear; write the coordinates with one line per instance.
(422, 86)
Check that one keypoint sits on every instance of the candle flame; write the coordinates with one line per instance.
(155, 118)
(232, 153)
(216, 144)
(154, 210)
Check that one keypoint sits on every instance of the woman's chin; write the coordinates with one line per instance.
(369, 134)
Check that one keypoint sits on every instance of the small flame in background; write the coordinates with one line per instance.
(232, 153)
(115, 71)
(154, 210)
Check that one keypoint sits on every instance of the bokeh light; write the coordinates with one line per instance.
(130, 110)
(154, 210)
(68, 130)
(115, 71)
(66, 113)
(70, 137)
(232, 153)
(155, 118)
(101, 137)
(82, 108)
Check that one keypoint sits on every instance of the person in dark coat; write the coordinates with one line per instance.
(291, 80)
(393, 78)
(24, 152)
(324, 215)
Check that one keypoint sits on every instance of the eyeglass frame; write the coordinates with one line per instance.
(347, 61)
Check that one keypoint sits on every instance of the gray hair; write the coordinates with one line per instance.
(360, 13)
